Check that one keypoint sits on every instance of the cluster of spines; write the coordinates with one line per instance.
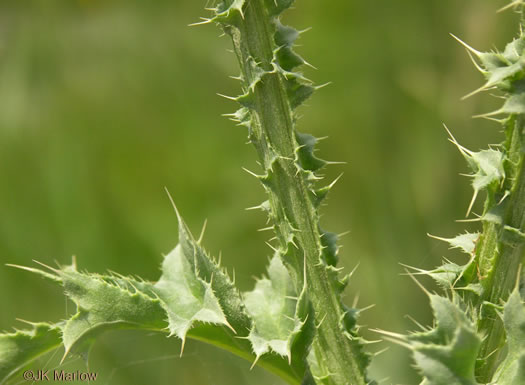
(480, 290)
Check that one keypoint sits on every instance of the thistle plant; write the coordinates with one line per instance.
(479, 331)
(294, 322)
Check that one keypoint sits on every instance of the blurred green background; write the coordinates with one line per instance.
(103, 103)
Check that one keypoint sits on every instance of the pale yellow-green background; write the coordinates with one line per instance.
(103, 103)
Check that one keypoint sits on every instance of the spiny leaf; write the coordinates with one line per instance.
(445, 275)
(446, 355)
(193, 298)
(209, 274)
(298, 92)
(229, 11)
(305, 152)
(515, 104)
(23, 346)
(487, 166)
(330, 249)
(103, 304)
(466, 242)
(278, 314)
(285, 37)
(187, 298)
(500, 67)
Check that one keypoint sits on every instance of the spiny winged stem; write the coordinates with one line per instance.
(478, 336)
(479, 333)
(263, 48)
(500, 248)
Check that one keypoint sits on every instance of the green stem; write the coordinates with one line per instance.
(292, 211)
(501, 250)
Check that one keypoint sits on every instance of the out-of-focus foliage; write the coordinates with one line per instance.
(102, 104)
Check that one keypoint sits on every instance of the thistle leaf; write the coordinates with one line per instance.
(193, 298)
(446, 355)
(279, 316)
(184, 297)
(305, 152)
(466, 242)
(515, 104)
(203, 286)
(446, 274)
(503, 66)
(187, 298)
(105, 303)
(20, 348)
(487, 166)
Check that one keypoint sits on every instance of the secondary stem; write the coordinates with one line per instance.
(501, 250)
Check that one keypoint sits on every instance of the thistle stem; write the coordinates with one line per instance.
(293, 214)
(501, 250)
